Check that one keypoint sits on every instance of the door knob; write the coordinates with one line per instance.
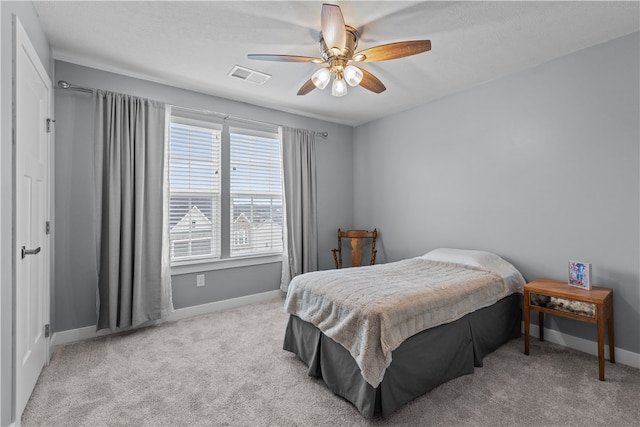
(26, 251)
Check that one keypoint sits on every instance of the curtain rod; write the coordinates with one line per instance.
(65, 85)
(226, 116)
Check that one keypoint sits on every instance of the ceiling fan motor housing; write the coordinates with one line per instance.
(340, 59)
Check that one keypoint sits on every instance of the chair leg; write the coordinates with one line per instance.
(335, 258)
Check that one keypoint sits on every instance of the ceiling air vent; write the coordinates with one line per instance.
(249, 75)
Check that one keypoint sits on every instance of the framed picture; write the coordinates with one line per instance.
(580, 274)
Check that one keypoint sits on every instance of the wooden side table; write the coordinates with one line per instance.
(560, 299)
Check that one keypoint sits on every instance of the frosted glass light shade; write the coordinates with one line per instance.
(339, 87)
(353, 75)
(321, 78)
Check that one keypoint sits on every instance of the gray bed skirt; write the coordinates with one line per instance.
(421, 363)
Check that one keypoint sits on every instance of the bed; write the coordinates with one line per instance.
(382, 335)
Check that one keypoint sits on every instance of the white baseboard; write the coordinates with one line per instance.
(624, 357)
(79, 334)
(197, 310)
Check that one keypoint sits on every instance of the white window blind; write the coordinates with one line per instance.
(255, 193)
(194, 192)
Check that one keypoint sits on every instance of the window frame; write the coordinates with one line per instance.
(249, 132)
(216, 231)
(225, 259)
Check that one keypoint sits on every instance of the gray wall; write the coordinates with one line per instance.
(540, 167)
(27, 16)
(75, 271)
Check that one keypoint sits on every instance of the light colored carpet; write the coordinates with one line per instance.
(228, 368)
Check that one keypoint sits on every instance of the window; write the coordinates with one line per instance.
(194, 191)
(213, 166)
(256, 193)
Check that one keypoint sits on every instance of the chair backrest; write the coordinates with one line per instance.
(357, 238)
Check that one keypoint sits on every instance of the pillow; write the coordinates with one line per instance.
(462, 256)
(480, 259)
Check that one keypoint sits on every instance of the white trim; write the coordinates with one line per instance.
(88, 332)
(197, 310)
(624, 357)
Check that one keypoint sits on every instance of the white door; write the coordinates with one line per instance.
(31, 313)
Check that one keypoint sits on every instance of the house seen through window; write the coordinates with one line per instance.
(215, 164)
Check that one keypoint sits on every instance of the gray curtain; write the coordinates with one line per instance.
(300, 194)
(133, 269)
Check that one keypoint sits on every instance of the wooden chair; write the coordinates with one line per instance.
(357, 243)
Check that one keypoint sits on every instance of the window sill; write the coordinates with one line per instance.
(223, 264)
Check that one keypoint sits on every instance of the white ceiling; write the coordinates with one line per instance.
(194, 45)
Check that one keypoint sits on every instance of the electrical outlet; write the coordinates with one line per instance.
(200, 280)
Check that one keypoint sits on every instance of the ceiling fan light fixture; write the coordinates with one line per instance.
(339, 87)
(353, 75)
(321, 78)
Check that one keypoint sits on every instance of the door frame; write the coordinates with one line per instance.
(21, 38)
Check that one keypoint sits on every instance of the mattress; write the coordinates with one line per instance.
(371, 310)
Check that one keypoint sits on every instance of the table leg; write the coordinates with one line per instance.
(601, 348)
(526, 329)
(612, 346)
(541, 325)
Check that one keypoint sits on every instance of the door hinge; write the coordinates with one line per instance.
(47, 330)
(47, 227)
(49, 121)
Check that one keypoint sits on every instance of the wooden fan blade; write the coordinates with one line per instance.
(333, 28)
(306, 88)
(285, 58)
(371, 82)
(393, 51)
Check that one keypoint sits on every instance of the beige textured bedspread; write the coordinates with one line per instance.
(372, 310)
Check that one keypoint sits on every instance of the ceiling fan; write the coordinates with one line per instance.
(338, 43)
